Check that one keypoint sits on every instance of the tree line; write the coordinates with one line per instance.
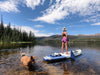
(7, 34)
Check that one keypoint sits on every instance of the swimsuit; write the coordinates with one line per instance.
(64, 34)
(64, 39)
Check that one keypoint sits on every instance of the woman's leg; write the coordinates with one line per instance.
(66, 47)
(62, 47)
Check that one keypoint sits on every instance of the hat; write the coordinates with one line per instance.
(22, 54)
(64, 29)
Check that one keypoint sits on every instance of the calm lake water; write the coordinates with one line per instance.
(86, 64)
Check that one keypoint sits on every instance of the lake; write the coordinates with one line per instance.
(86, 64)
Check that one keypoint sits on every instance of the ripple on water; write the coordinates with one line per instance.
(85, 64)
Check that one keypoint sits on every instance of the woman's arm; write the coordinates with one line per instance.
(67, 36)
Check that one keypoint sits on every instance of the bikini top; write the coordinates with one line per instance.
(64, 34)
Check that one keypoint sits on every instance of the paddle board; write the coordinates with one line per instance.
(59, 56)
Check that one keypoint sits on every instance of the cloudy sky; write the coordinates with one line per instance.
(48, 17)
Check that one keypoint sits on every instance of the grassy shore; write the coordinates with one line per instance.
(13, 45)
(21, 42)
(15, 42)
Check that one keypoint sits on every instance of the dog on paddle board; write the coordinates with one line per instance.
(27, 61)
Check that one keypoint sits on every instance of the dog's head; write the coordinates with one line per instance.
(31, 63)
(32, 60)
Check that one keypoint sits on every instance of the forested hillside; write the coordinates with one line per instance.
(7, 34)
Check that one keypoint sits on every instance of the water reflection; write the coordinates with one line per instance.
(65, 67)
(7, 46)
(87, 63)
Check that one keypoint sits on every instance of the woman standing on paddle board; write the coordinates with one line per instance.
(64, 40)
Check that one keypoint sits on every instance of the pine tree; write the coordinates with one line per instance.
(7, 34)
(1, 29)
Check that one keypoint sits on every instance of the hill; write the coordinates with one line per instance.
(72, 38)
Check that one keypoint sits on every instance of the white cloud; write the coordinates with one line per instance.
(53, 13)
(58, 28)
(50, 2)
(27, 29)
(12, 5)
(96, 23)
(51, 33)
(63, 8)
(43, 34)
(9, 5)
(50, 18)
(42, 2)
(86, 20)
(94, 18)
(38, 26)
(33, 3)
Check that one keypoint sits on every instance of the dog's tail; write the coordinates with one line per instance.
(22, 54)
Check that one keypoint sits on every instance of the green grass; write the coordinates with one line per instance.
(20, 42)
(14, 42)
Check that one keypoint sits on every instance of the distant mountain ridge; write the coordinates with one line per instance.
(80, 37)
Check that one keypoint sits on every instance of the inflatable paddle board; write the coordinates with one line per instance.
(59, 56)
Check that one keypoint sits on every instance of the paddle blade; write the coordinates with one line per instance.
(72, 55)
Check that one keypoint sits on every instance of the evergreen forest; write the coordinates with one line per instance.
(7, 34)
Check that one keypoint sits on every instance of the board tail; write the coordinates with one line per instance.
(72, 55)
